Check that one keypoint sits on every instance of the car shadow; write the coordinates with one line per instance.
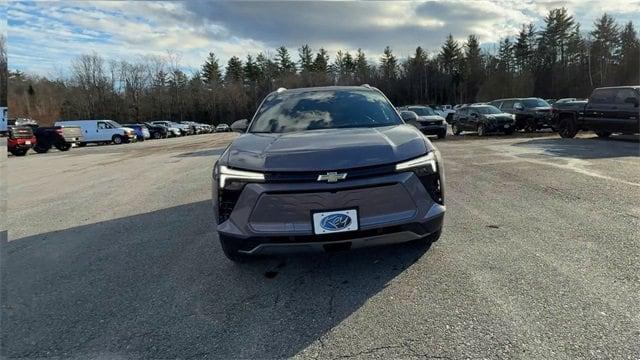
(585, 148)
(156, 285)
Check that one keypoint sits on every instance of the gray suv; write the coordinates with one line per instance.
(329, 168)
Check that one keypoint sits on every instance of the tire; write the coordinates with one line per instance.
(82, 144)
(41, 149)
(481, 130)
(442, 135)
(157, 135)
(19, 152)
(230, 250)
(567, 127)
(456, 131)
(530, 126)
(63, 147)
(117, 139)
(603, 134)
(509, 131)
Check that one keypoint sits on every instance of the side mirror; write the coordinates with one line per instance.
(240, 126)
(631, 100)
(518, 107)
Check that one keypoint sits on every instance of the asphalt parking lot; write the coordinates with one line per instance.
(112, 254)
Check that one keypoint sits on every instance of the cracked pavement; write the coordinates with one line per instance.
(112, 255)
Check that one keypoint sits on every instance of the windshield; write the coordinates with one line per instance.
(535, 103)
(488, 110)
(423, 111)
(323, 109)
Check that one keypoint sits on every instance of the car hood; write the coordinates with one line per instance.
(430, 118)
(540, 108)
(322, 150)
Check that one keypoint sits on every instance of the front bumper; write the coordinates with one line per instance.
(436, 129)
(276, 217)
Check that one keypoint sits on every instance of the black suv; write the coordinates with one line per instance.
(531, 113)
(424, 119)
(482, 119)
(608, 110)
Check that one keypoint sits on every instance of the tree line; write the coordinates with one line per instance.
(556, 60)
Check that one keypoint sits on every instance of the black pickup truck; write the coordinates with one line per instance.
(60, 137)
(608, 110)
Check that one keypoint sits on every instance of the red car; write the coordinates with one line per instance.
(20, 140)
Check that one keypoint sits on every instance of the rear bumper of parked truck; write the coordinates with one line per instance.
(270, 218)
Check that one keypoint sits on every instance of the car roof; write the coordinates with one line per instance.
(327, 88)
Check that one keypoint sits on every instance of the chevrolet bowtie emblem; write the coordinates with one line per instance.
(332, 177)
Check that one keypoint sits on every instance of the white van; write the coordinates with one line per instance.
(99, 131)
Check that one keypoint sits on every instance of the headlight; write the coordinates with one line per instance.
(428, 160)
(225, 174)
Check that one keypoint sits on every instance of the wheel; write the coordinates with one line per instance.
(530, 126)
(117, 139)
(509, 131)
(567, 128)
(63, 147)
(157, 135)
(230, 250)
(18, 152)
(82, 144)
(41, 148)
(481, 130)
(603, 134)
(455, 129)
(442, 134)
(140, 138)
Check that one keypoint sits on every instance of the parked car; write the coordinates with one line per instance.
(157, 131)
(173, 128)
(428, 122)
(609, 110)
(60, 137)
(564, 100)
(20, 139)
(482, 119)
(532, 114)
(101, 131)
(141, 130)
(223, 128)
(330, 168)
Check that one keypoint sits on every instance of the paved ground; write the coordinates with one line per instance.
(112, 254)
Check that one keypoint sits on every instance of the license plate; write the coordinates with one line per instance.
(28, 142)
(335, 221)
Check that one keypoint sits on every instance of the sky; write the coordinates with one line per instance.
(44, 37)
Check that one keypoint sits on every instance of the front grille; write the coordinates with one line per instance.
(434, 122)
(312, 176)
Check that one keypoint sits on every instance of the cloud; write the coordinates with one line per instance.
(45, 36)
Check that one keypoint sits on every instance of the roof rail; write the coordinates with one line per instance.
(281, 89)
(366, 85)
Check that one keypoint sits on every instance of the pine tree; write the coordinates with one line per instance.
(211, 70)
(388, 65)
(251, 70)
(629, 56)
(234, 72)
(451, 56)
(285, 65)
(473, 67)
(362, 68)
(321, 62)
(605, 38)
(306, 59)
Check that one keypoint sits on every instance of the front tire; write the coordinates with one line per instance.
(603, 134)
(230, 250)
(481, 130)
(117, 139)
(63, 147)
(456, 131)
(567, 128)
(41, 149)
(442, 134)
(157, 135)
